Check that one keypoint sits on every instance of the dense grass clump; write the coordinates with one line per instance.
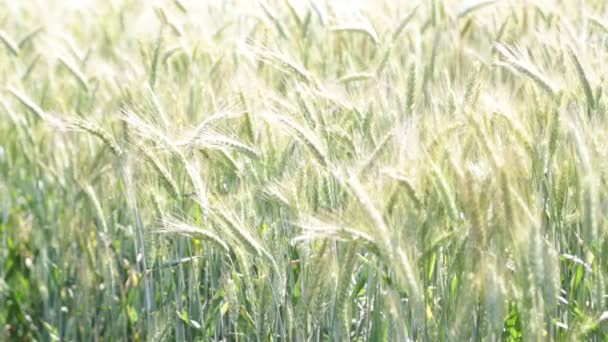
(303, 170)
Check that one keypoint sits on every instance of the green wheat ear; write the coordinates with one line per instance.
(171, 225)
(77, 73)
(9, 43)
(162, 171)
(96, 131)
(27, 102)
(304, 135)
(410, 100)
(514, 61)
(584, 80)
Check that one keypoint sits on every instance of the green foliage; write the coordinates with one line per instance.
(303, 170)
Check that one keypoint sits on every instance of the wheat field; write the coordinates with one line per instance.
(311, 170)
